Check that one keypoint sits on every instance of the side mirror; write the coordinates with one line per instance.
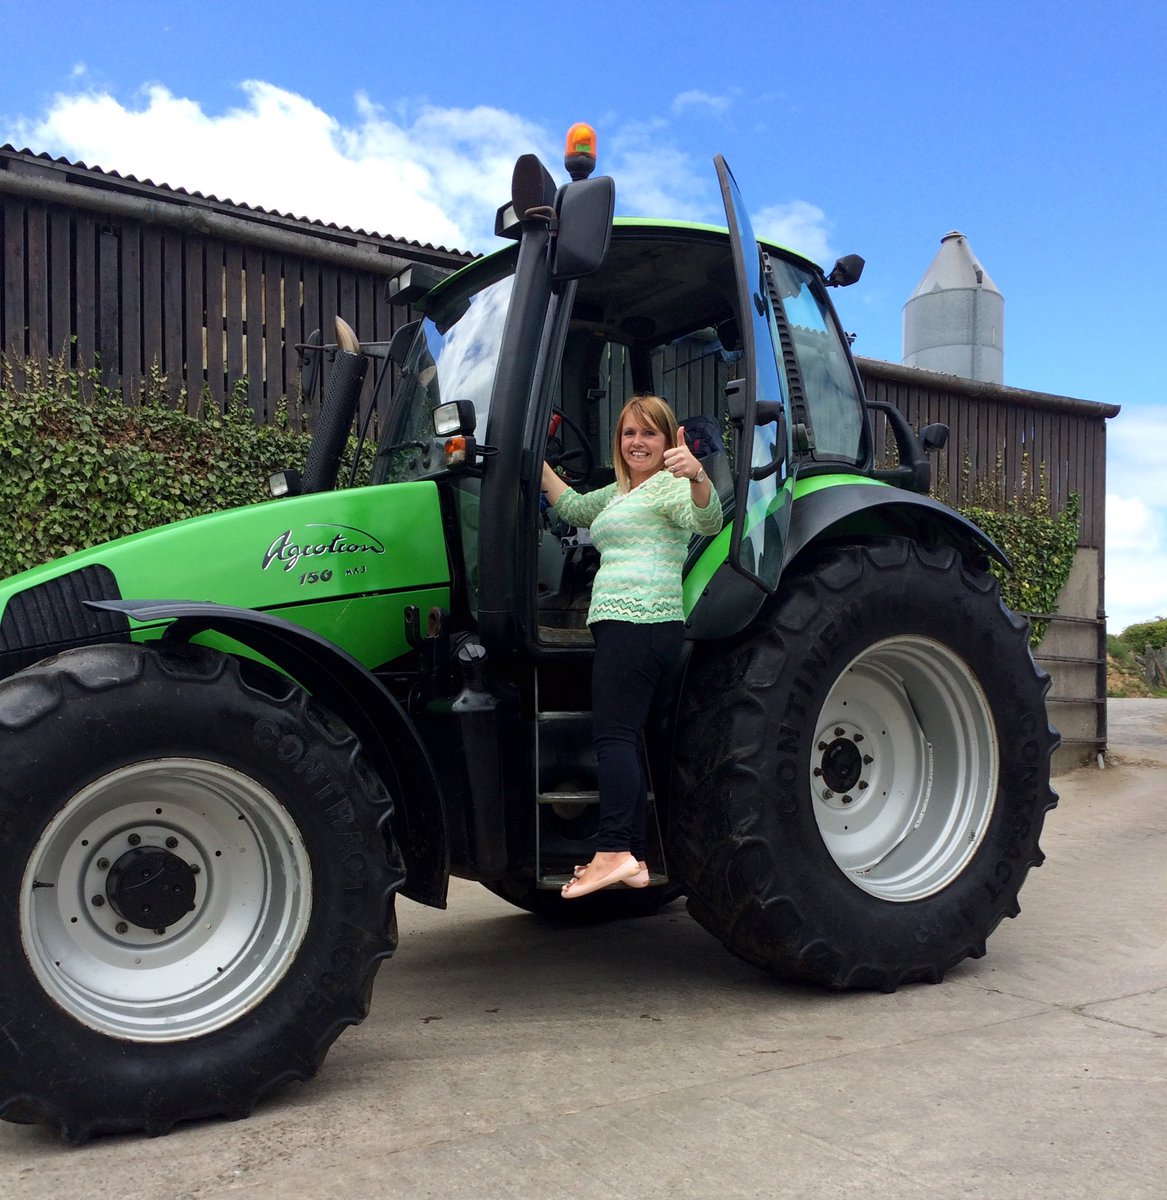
(846, 271)
(400, 342)
(584, 210)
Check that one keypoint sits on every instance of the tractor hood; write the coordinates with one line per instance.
(344, 564)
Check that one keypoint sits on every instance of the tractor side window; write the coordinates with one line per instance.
(832, 397)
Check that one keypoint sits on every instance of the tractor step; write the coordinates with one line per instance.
(573, 796)
(567, 797)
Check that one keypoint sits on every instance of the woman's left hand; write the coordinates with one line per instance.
(679, 460)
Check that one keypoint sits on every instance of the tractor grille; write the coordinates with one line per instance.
(52, 617)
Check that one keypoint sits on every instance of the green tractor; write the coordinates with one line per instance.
(229, 743)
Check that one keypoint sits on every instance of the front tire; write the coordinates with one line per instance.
(195, 893)
(861, 780)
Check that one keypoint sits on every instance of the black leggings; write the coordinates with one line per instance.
(631, 661)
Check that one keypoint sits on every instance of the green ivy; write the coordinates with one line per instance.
(1041, 547)
(78, 465)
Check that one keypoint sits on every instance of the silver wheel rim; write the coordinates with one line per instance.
(904, 769)
(247, 878)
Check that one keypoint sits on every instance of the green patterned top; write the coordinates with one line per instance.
(642, 536)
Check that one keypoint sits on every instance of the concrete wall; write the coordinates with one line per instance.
(1070, 652)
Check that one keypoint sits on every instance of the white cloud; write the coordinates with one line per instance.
(436, 177)
(697, 99)
(654, 177)
(798, 225)
(421, 172)
(1136, 517)
(1131, 524)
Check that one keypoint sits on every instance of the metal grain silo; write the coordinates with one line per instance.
(955, 320)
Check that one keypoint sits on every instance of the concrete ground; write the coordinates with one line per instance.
(507, 1058)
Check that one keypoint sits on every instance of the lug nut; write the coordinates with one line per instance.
(863, 785)
(868, 760)
(818, 771)
(103, 864)
(822, 745)
(171, 842)
(846, 799)
(858, 737)
(839, 731)
(827, 793)
(121, 927)
(194, 868)
(97, 901)
(134, 839)
(160, 932)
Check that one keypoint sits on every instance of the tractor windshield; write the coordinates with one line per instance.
(453, 357)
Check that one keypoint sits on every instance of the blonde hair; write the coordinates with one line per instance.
(652, 410)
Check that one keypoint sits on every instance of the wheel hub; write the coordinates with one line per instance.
(165, 899)
(905, 773)
(150, 887)
(842, 765)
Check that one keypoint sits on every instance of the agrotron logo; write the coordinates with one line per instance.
(342, 544)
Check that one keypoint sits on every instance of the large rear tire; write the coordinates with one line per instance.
(195, 891)
(861, 780)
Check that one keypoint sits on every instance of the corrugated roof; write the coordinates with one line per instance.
(99, 177)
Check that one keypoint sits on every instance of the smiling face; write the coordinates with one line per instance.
(645, 429)
(642, 447)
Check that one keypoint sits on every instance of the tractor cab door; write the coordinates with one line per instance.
(759, 407)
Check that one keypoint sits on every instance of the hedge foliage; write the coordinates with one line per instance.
(78, 465)
(1146, 633)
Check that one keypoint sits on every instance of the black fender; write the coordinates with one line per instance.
(889, 510)
(358, 697)
(732, 601)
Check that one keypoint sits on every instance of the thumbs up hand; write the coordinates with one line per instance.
(679, 460)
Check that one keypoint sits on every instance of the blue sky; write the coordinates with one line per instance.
(1036, 129)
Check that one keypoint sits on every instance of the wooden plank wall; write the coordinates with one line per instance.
(206, 316)
(995, 435)
(200, 316)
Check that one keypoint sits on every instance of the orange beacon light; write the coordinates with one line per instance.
(580, 155)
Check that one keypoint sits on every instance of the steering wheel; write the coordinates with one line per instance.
(560, 456)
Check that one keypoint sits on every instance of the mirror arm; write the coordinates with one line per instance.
(914, 471)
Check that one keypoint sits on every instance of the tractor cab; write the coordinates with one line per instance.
(510, 366)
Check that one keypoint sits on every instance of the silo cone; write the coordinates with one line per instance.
(954, 322)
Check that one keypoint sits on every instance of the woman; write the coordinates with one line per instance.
(641, 526)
